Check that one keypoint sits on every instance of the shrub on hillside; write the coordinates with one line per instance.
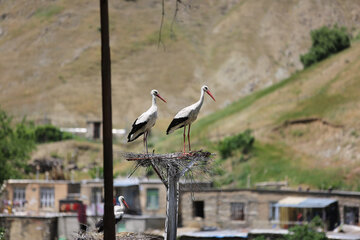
(325, 42)
(242, 142)
(50, 133)
(96, 172)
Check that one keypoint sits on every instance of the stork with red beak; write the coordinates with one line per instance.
(146, 121)
(118, 212)
(188, 115)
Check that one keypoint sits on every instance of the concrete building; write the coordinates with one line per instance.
(44, 203)
(145, 196)
(36, 195)
(256, 208)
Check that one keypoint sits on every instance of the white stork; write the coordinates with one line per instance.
(118, 212)
(146, 121)
(188, 115)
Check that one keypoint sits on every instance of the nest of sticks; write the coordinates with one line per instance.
(173, 164)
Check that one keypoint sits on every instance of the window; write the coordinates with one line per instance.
(152, 198)
(96, 205)
(198, 209)
(351, 215)
(96, 195)
(47, 197)
(272, 211)
(237, 211)
(19, 196)
(97, 130)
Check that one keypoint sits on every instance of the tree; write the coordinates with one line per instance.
(325, 42)
(16, 144)
(2, 233)
(307, 231)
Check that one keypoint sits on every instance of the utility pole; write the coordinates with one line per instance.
(109, 219)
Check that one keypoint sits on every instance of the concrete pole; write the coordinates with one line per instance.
(171, 206)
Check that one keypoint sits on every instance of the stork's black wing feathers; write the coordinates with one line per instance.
(175, 122)
(118, 219)
(135, 128)
(100, 225)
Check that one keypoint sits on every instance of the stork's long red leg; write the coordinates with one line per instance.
(146, 135)
(189, 138)
(144, 141)
(184, 137)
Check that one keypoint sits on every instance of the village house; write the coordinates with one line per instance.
(263, 208)
(145, 196)
(52, 205)
(35, 196)
(202, 206)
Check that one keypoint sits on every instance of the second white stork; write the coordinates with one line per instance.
(188, 115)
(146, 121)
(118, 212)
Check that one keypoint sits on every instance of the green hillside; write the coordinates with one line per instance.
(306, 128)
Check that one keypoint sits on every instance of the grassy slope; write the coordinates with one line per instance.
(328, 90)
(50, 67)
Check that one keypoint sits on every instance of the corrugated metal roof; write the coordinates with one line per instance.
(291, 200)
(298, 202)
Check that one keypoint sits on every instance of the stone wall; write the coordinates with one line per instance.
(217, 204)
(29, 228)
(162, 199)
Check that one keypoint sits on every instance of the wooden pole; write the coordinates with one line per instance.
(171, 205)
(109, 219)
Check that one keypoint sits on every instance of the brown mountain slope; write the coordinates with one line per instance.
(50, 52)
(306, 128)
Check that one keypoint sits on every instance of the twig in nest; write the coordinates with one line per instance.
(173, 164)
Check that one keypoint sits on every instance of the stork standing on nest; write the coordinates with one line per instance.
(146, 121)
(118, 212)
(188, 115)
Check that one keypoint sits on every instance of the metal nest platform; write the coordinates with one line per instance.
(170, 167)
(175, 165)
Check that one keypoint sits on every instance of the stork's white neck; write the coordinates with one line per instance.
(201, 100)
(153, 100)
(122, 205)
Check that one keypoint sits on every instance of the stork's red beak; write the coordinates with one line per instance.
(208, 92)
(160, 97)
(125, 203)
